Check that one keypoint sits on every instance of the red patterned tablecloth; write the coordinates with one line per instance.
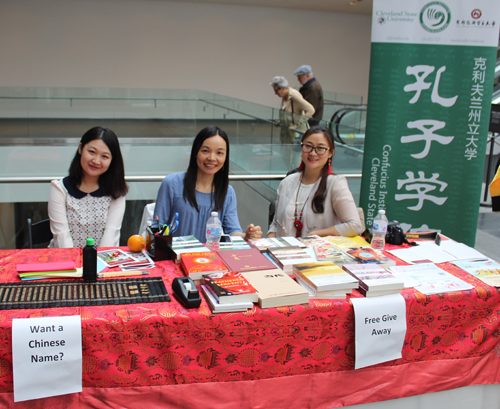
(158, 344)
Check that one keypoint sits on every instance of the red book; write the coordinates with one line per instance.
(197, 264)
(230, 287)
(245, 260)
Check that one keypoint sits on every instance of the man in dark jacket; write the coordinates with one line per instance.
(311, 91)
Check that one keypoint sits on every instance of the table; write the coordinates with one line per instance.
(136, 356)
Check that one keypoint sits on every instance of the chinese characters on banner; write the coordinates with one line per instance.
(431, 81)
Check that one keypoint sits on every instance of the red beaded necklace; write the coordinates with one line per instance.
(297, 223)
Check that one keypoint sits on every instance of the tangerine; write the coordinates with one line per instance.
(136, 243)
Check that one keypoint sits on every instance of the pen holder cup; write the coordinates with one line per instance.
(163, 248)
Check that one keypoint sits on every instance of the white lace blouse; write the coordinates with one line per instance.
(76, 216)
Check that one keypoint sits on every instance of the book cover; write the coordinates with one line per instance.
(326, 251)
(366, 255)
(488, 271)
(197, 264)
(307, 240)
(325, 276)
(245, 260)
(276, 288)
(286, 257)
(217, 307)
(230, 287)
(373, 277)
(343, 242)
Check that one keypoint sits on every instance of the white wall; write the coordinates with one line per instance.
(226, 49)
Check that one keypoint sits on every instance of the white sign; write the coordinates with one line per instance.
(380, 329)
(436, 22)
(47, 356)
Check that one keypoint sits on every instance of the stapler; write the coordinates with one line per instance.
(186, 292)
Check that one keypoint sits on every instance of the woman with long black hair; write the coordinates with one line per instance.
(203, 188)
(314, 200)
(90, 202)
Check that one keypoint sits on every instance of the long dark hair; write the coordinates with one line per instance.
(318, 200)
(112, 182)
(221, 178)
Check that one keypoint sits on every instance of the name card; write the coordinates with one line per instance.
(380, 324)
(46, 356)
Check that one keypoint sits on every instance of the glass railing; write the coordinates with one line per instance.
(335, 101)
(40, 130)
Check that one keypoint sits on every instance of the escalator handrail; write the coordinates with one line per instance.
(337, 118)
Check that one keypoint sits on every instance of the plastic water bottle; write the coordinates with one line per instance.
(213, 232)
(379, 230)
(89, 258)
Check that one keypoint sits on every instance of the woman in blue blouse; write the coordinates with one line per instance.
(202, 189)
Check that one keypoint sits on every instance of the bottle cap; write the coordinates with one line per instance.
(214, 214)
(381, 211)
(90, 242)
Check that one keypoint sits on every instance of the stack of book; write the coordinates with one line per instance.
(286, 257)
(374, 280)
(186, 244)
(228, 291)
(324, 280)
(197, 264)
(236, 243)
(63, 269)
(272, 242)
(276, 288)
(217, 307)
(327, 251)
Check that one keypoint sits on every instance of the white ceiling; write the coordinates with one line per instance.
(339, 6)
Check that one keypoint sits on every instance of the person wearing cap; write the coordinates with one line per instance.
(311, 91)
(294, 110)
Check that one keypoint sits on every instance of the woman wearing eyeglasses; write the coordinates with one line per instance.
(314, 200)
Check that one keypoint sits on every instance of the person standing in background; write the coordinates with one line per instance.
(292, 103)
(311, 91)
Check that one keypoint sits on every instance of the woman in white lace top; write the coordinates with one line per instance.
(90, 202)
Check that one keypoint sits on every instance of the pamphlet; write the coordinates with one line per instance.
(431, 278)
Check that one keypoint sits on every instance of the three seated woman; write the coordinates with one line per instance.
(90, 202)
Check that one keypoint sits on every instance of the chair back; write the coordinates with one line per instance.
(39, 232)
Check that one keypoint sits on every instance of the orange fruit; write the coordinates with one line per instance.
(136, 243)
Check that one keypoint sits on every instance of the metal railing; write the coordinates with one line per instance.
(48, 179)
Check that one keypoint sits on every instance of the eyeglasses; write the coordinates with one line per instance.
(320, 150)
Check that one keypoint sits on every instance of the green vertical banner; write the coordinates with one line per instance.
(431, 82)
